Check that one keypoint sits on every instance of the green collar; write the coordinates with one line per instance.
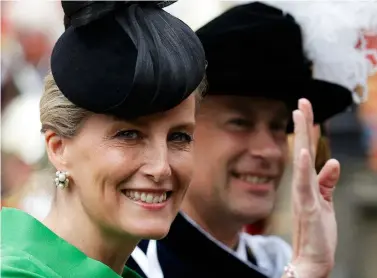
(23, 232)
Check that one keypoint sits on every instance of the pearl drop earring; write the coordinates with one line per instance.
(61, 179)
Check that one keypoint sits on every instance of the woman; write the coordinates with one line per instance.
(117, 113)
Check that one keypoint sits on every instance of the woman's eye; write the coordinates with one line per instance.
(180, 137)
(128, 134)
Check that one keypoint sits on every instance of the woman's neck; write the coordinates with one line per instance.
(75, 226)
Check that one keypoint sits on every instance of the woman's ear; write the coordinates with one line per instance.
(55, 146)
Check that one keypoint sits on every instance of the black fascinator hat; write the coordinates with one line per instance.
(257, 50)
(126, 58)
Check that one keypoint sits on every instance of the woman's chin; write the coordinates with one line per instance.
(155, 236)
(148, 231)
(151, 233)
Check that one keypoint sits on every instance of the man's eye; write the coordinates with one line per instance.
(180, 137)
(279, 126)
(240, 122)
(128, 134)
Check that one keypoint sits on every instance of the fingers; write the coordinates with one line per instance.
(316, 134)
(303, 172)
(303, 191)
(301, 138)
(330, 173)
(305, 106)
(328, 178)
(304, 195)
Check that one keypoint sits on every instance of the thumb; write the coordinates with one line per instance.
(328, 178)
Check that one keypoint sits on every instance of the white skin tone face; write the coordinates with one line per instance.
(236, 137)
(127, 180)
(240, 154)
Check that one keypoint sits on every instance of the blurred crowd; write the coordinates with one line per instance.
(28, 32)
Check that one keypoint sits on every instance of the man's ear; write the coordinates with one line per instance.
(55, 146)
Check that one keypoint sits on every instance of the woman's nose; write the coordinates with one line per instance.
(157, 166)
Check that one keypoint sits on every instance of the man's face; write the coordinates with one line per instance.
(240, 153)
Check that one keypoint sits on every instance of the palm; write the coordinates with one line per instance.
(315, 232)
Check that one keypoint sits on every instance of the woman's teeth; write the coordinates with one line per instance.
(146, 197)
(254, 179)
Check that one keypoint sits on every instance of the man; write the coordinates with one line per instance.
(256, 72)
(272, 224)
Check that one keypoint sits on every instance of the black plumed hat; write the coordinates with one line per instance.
(127, 59)
(257, 50)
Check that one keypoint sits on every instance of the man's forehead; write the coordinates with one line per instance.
(246, 105)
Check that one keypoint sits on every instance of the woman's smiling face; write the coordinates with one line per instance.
(130, 177)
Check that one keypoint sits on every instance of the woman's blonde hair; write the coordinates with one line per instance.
(58, 113)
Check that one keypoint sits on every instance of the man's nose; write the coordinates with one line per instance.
(262, 144)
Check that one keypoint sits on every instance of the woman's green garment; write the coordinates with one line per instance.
(30, 249)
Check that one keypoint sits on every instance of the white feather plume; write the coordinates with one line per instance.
(331, 30)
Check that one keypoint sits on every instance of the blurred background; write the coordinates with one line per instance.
(29, 29)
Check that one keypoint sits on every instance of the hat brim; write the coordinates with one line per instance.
(327, 99)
